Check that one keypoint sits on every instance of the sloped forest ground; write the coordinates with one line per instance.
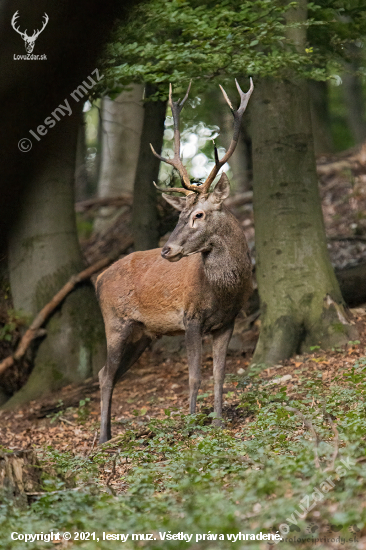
(291, 458)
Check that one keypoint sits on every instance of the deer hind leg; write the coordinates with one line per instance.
(193, 339)
(124, 346)
(221, 339)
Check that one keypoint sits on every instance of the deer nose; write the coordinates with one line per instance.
(165, 251)
(172, 252)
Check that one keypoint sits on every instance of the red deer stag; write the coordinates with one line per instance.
(199, 290)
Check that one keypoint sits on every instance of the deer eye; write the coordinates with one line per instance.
(199, 215)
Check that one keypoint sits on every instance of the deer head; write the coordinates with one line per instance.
(202, 212)
(29, 41)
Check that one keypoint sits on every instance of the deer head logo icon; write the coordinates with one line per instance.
(29, 41)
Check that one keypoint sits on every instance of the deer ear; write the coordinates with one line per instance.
(221, 191)
(178, 203)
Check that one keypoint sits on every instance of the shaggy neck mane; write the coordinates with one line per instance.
(227, 262)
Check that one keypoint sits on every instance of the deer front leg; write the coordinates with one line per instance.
(106, 390)
(221, 339)
(194, 354)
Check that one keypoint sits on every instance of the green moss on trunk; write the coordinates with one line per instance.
(43, 254)
(301, 301)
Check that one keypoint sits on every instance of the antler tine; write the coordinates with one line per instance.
(238, 114)
(174, 190)
(244, 97)
(176, 162)
(46, 19)
(186, 96)
(13, 23)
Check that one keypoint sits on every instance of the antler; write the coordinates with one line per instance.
(238, 115)
(176, 107)
(37, 33)
(174, 190)
(13, 22)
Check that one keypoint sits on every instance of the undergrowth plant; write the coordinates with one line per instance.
(185, 476)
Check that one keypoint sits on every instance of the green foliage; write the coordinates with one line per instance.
(179, 40)
(188, 476)
(15, 320)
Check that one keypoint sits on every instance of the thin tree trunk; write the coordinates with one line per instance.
(355, 102)
(81, 173)
(121, 129)
(323, 142)
(144, 216)
(300, 298)
(43, 253)
(240, 162)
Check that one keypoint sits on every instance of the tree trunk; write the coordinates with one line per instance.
(322, 135)
(29, 92)
(43, 253)
(144, 215)
(355, 103)
(122, 121)
(20, 473)
(241, 162)
(81, 173)
(300, 298)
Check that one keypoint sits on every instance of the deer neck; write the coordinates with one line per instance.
(227, 263)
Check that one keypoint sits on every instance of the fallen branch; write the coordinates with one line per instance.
(66, 421)
(35, 330)
(240, 199)
(335, 440)
(310, 427)
(121, 200)
(355, 161)
(112, 474)
(349, 238)
(93, 444)
(41, 493)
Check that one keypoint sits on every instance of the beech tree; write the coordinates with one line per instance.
(121, 122)
(37, 184)
(144, 215)
(43, 254)
(280, 44)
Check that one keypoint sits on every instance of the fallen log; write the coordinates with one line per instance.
(352, 281)
(353, 160)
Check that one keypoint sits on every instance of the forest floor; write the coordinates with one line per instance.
(157, 386)
(166, 471)
(291, 457)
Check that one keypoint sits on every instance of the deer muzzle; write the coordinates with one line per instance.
(172, 253)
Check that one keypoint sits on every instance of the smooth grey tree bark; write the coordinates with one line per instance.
(144, 215)
(355, 103)
(121, 127)
(301, 302)
(43, 253)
